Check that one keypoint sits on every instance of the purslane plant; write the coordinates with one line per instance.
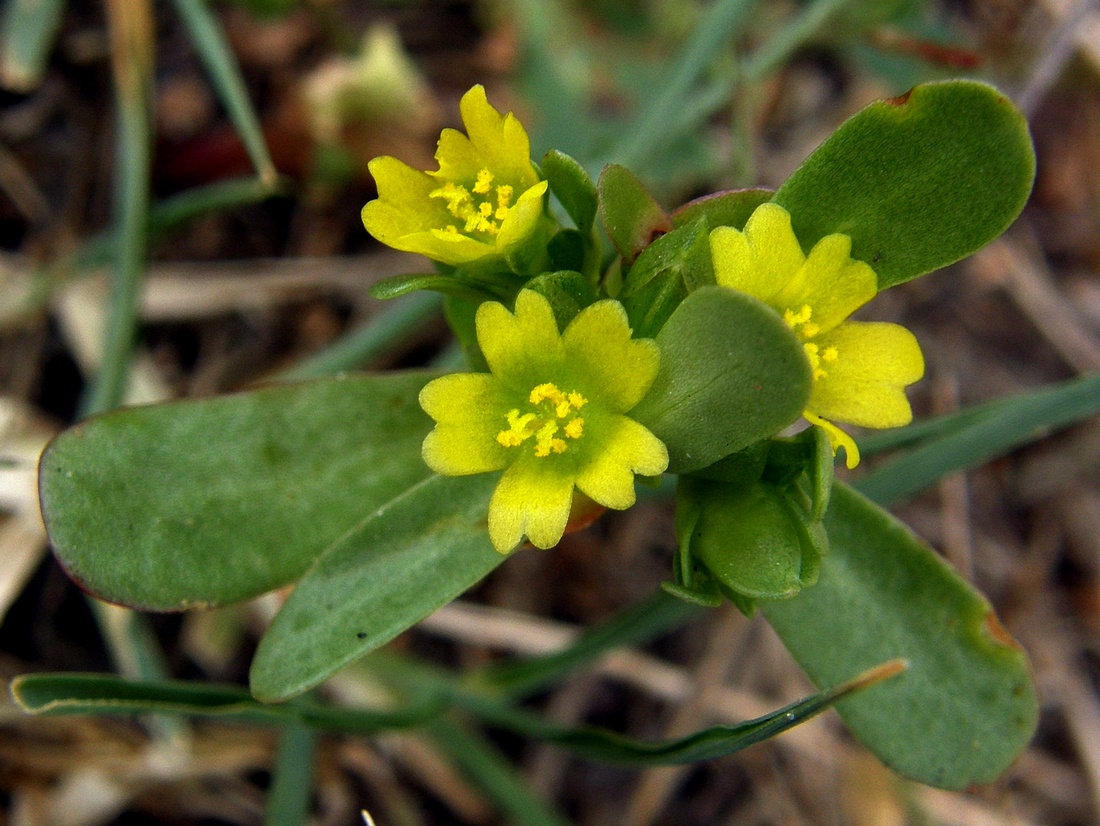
(382, 497)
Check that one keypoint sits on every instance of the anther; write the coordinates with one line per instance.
(484, 182)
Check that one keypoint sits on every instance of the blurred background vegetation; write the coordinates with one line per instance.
(180, 187)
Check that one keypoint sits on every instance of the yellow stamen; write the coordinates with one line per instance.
(484, 182)
(544, 424)
(479, 216)
(814, 356)
(794, 319)
(457, 197)
(543, 392)
(504, 199)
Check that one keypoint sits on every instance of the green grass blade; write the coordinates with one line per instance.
(637, 624)
(56, 695)
(550, 69)
(172, 212)
(778, 48)
(291, 785)
(377, 337)
(28, 29)
(707, 744)
(494, 775)
(663, 111)
(222, 65)
(131, 36)
(974, 438)
(176, 210)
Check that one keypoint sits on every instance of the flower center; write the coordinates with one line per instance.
(549, 418)
(805, 329)
(481, 207)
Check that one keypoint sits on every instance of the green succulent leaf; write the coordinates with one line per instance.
(674, 265)
(205, 502)
(411, 556)
(567, 291)
(572, 186)
(731, 208)
(966, 707)
(919, 181)
(732, 373)
(632, 218)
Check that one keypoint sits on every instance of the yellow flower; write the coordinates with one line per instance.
(485, 199)
(860, 369)
(550, 414)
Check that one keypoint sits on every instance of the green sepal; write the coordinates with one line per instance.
(689, 583)
(732, 373)
(730, 208)
(210, 501)
(632, 218)
(612, 279)
(703, 592)
(809, 453)
(754, 540)
(738, 468)
(573, 188)
(461, 314)
(567, 250)
(529, 257)
(414, 554)
(919, 181)
(746, 605)
(674, 265)
(567, 291)
(966, 707)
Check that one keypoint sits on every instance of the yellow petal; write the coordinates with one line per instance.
(598, 347)
(522, 350)
(830, 282)
(865, 384)
(501, 141)
(403, 205)
(760, 260)
(459, 160)
(469, 410)
(523, 218)
(533, 499)
(778, 253)
(628, 448)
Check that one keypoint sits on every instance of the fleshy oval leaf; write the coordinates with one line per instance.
(966, 707)
(919, 181)
(205, 502)
(732, 373)
(410, 557)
